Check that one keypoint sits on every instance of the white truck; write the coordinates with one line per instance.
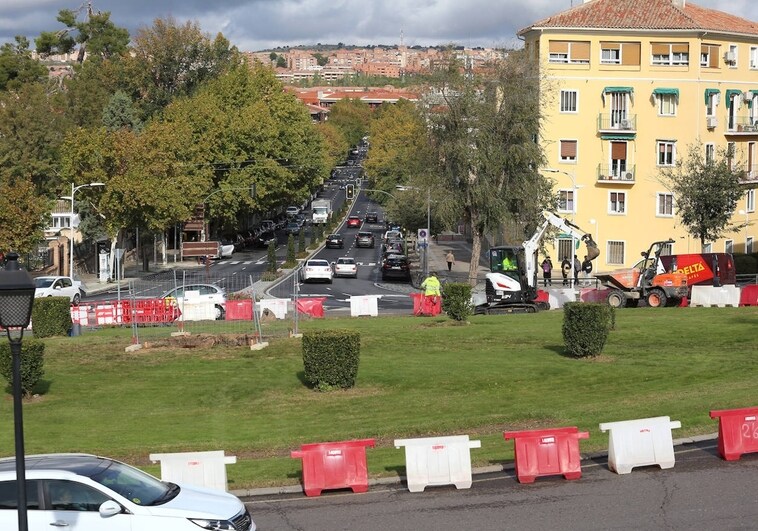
(321, 211)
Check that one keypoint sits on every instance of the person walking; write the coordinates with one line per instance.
(565, 269)
(450, 258)
(547, 269)
(577, 267)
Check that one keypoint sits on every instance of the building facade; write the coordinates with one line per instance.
(630, 86)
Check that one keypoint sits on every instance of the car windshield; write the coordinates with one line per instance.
(43, 282)
(133, 484)
(346, 261)
(318, 263)
(334, 236)
(365, 235)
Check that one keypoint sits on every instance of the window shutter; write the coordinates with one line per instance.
(618, 150)
(610, 45)
(580, 51)
(559, 47)
(568, 149)
(660, 49)
(630, 54)
(680, 48)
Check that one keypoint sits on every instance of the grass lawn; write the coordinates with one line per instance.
(417, 377)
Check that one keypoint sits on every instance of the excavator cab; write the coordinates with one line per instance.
(508, 261)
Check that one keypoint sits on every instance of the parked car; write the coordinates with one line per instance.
(392, 235)
(262, 239)
(91, 493)
(394, 246)
(301, 219)
(292, 211)
(364, 239)
(335, 241)
(396, 266)
(371, 217)
(268, 224)
(200, 293)
(293, 227)
(353, 222)
(225, 249)
(58, 287)
(345, 267)
(316, 270)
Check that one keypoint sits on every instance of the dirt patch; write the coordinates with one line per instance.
(201, 341)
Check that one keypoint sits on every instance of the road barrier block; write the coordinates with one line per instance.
(426, 305)
(80, 315)
(438, 461)
(749, 295)
(239, 310)
(715, 296)
(640, 442)
(313, 306)
(547, 452)
(334, 465)
(364, 305)
(738, 432)
(276, 306)
(559, 297)
(202, 469)
(105, 314)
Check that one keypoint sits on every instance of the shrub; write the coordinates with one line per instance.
(32, 364)
(291, 248)
(330, 358)
(456, 300)
(586, 327)
(51, 316)
(301, 242)
(272, 257)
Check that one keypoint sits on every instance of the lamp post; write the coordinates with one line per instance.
(71, 223)
(574, 188)
(16, 300)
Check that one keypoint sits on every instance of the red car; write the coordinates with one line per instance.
(354, 222)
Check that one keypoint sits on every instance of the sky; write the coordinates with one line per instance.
(253, 25)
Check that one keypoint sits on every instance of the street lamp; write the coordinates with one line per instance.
(16, 300)
(71, 223)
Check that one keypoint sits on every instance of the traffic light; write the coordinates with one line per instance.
(349, 191)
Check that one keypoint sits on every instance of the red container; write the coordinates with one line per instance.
(241, 310)
(313, 306)
(749, 295)
(547, 453)
(738, 431)
(334, 465)
(426, 305)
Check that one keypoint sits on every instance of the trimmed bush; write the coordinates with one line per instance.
(32, 363)
(586, 327)
(51, 316)
(301, 242)
(291, 249)
(271, 257)
(456, 300)
(330, 358)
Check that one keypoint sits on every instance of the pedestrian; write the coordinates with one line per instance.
(565, 269)
(577, 267)
(547, 271)
(587, 268)
(431, 286)
(450, 258)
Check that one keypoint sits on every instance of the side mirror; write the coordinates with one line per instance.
(109, 508)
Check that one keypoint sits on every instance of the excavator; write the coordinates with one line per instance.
(511, 285)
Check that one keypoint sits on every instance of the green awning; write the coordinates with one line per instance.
(709, 93)
(618, 137)
(673, 91)
(729, 94)
(625, 90)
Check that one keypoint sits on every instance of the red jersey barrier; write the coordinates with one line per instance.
(149, 311)
(334, 465)
(738, 431)
(749, 295)
(547, 453)
(240, 310)
(426, 304)
(313, 306)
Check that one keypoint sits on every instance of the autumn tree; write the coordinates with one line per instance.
(706, 191)
(352, 117)
(335, 143)
(24, 215)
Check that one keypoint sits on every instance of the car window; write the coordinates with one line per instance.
(345, 261)
(135, 485)
(72, 496)
(318, 263)
(9, 492)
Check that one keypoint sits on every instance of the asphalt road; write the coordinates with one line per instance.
(701, 492)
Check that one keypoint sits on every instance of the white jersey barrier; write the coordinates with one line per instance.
(641, 442)
(715, 296)
(202, 469)
(276, 306)
(438, 461)
(364, 305)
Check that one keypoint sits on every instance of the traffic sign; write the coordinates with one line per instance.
(423, 236)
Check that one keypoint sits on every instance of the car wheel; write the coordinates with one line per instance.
(76, 299)
(656, 298)
(220, 313)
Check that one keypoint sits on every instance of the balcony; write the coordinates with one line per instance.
(750, 175)
(742, 126)
(617, 123)
(614, 175)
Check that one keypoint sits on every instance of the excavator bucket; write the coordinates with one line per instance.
(592, 249)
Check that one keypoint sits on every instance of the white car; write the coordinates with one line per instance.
(82, 492)
(199, 293)
(58, 287)
(316, 270)
(292, 211)
(345, 267)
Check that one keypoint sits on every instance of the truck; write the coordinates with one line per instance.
(511, 284)
(321, 211)
(702, 269)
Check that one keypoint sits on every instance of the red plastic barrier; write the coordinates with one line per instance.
(593, 295)
(241, 310)
(749, 295)
(542, 296)
(149, 311)
(426, 305)
(547, 453)
(334, 465)
(738, 431)
(313, 306)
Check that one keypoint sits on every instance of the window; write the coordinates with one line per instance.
(618, 160)
(666, 153)
(617, 204)
(710, 153)
(611, 56)
(615, 253)
(731, 148)
(568, 151)
(666, 104)
(618, 104)
(750, 200)
(72, 496)
(754, 57)
(667, 249)
(731, 56)
(708, 248)
(749, 245)
(9, 495)
(670, 54)
(620, 53)
(569, 101)
(709, 55)
(571, 52)
(665, 204)
(729, 246)
(712, 99)
(566, 201)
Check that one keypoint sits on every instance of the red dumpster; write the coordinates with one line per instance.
(426, 305)
(547, 452)
(738, 431)
(313, 306)
(239, 310)
(334, 465)
(749, 295)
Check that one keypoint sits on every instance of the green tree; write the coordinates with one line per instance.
(321, 59)
(335, 143)
(271, 257)
(17, 66)
(120, 113)
(301, 241)
(24, 215)
(705, 192)
(272, 56)
(352, 117)
(281, 62)
(291, 249)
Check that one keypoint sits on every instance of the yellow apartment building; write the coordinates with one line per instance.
(629, 86)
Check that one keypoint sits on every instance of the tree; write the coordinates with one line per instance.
(705, 192)
(120, 113)
(484, 129)
(17, 66)
(335, 143)
(24, 215)
(352, 117)
(281, 62)
(321, 59)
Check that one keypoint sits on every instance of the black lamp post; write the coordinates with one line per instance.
(16, 300)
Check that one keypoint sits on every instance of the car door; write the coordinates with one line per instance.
(75, 507)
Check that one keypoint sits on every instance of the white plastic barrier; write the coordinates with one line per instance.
(196, 310)
(202, 469)
(715, 296)
(640, 442)
(276, 306)
(438, 461)
(364, 305)
(559, 297)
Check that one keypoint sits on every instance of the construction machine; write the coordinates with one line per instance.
(511, 285)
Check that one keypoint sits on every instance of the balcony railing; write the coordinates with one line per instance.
(617, 122)
(750, 175)
(742, 124)
(615, 175)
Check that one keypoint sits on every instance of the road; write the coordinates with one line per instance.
(700, 492)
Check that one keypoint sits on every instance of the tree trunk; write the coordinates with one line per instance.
(476, 249)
